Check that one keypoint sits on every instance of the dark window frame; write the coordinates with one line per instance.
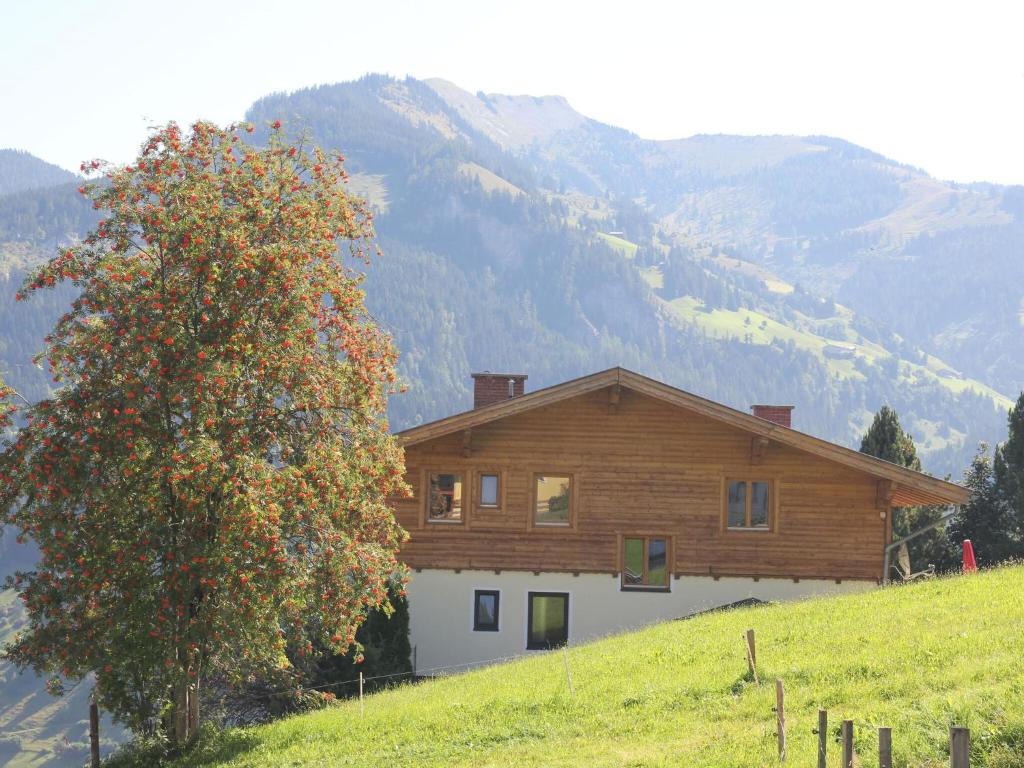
(532, 646)
(477, 626)
(646, 539)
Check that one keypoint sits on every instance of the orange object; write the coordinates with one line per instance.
(970, 566)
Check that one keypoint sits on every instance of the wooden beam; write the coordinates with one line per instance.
(614, 393)
(884, 494)
(467, 442)
(758, 447)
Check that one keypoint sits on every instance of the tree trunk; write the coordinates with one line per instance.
(185, 714)
(193, 709)
(179, 718)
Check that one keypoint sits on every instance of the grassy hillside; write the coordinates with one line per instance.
(624, 247)
(917, 659)
(759, 328)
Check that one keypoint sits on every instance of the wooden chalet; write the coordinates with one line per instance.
(614, 500)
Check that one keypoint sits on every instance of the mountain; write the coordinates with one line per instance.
(518, 234)
(521, 234)
(20, 171)
(937, 262)
(538, 239)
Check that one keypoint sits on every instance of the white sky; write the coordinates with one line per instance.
(934, 84)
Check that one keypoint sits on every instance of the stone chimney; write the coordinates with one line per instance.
(491, 388)
(780, 414)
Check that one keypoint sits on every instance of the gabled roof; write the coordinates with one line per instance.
(909, 488)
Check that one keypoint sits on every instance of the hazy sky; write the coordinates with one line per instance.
(937, 85)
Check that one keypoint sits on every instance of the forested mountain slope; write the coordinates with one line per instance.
(501, 207)
(20, 171)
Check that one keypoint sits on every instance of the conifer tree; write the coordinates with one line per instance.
(213, 471)
(986, 519)
(1009, 471)
(886, 439)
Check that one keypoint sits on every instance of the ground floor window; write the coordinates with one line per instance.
(645, 563)
(548, 620)
(485, 610)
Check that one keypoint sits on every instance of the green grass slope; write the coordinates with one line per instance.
(916, 658)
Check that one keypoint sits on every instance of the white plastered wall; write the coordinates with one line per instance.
(441, 608)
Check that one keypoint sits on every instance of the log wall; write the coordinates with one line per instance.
(641, 466)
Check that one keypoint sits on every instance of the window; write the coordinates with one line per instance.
(644, 563)
(488, 490)
(748, 504)
(444, 504)
(553, 495)
(485, 610)
(547, 621)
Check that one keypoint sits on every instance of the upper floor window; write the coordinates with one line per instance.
(489, 489)
(444, 502)
(644, 563)
(552, 499)
(748, 504)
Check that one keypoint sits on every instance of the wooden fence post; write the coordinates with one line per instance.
(822, 737)
(360, 692)
(959, 747)
(847, 735)
(885, 748)
(752, 655)
(94, 731)
(780, 717)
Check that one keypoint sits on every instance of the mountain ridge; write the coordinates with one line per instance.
(750, 194)
(21, 171)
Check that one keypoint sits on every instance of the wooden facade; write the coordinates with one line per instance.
(646, 460)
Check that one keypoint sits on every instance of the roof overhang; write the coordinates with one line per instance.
(905, 487)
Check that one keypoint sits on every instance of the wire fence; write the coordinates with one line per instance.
(959, 737)
(428, 672)
(338, 683)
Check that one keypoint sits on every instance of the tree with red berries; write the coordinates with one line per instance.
(208, 485)
(7, 406)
